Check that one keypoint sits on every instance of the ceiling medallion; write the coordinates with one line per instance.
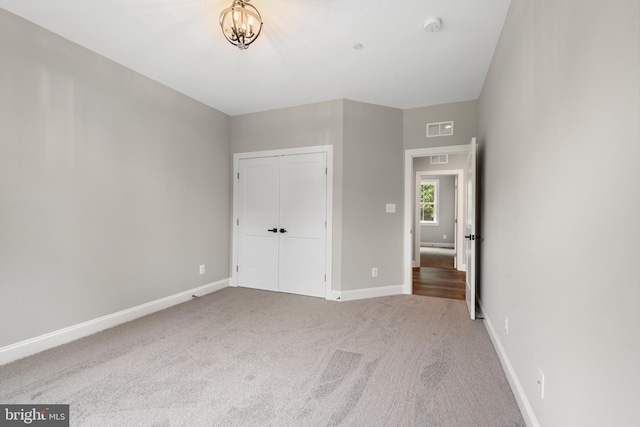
(241, 23)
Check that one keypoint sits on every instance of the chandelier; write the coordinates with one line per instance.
(241, 23)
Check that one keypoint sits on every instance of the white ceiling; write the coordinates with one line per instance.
(304, 54)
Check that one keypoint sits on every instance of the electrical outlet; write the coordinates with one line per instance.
(541, 382)
(506, 325)
(374, 272)
(444, 237)
(202, 269)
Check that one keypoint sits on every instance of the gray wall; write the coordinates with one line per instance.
(456, 161)
(465, 126)
(414, 129)
(113, 188)
(373, 177)
(446, 212)
(559, 126)
(367, 174)
(303, 126)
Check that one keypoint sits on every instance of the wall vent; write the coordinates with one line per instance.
(439, 129)
(441, 159)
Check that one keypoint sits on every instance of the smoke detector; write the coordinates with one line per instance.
(432, 25)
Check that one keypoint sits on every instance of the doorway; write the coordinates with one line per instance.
(442, 226)
(410, 252)
(438, 271)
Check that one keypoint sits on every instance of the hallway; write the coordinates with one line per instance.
(436, 276)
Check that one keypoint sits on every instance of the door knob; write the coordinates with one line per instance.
(273, 230)
(282, 230)
(472, 237)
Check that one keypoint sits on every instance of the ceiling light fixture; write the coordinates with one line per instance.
(241, 23)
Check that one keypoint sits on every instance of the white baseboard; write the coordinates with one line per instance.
(436, 245)
(356, 294)
(335, 296)
(62, 336)
(523, 402)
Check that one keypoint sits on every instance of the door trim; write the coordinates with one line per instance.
(328, 149)
(409, 155)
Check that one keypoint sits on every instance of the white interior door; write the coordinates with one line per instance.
(455, 222)
(303, 215)
(282, 214)
(470, 230)
(258, 222)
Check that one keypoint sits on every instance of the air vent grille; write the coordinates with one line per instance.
(439, 129)
(441, 159)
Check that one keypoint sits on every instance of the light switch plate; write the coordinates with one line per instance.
(391, 208)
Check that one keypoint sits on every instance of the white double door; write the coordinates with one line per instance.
(282, 219)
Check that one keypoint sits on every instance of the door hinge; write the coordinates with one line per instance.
(325, 277)
(238, 175)
(237, 269)
(325, 224)
(326, 171)
(238, 221)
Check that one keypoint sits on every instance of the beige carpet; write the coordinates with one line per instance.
(243, 357)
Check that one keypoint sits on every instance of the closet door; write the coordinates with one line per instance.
(258, 215)
(282, 204)
(303, 214)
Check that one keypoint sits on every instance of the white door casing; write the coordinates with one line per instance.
(409, 196)
(297, 183)
(470, 229)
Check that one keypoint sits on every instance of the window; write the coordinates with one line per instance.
(429, 201)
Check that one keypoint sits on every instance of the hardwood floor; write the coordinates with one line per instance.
(439, 282)
(430, 257)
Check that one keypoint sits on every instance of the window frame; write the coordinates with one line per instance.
(436, 205)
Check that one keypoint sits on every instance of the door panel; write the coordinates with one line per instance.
(455, 223)
(257, 213)
(286, 193)
(470, 230)
(301, 266)
(303, 206)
